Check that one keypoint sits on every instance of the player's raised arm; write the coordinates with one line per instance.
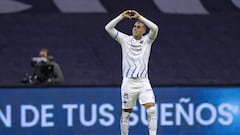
(152, 26)
(110, 27)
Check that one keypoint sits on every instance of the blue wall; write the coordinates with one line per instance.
(93, 110)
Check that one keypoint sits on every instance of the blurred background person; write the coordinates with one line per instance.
(57, 75)
(46, 70)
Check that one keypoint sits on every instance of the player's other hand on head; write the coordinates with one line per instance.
(134, 14)
(131, 14)
(127, 14)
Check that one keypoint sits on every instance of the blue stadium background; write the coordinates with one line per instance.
(193, 46)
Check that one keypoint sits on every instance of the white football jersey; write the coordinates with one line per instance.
(135, 55)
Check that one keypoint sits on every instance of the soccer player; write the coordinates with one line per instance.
(135, 56)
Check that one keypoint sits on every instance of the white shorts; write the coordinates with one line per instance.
(136, 88)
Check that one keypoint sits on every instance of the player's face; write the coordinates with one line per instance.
(138, 29)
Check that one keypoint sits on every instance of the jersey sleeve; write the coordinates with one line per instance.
(152, 34)
(112, 31)
(119, 37)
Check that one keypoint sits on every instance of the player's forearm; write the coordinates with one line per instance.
(110, 27)
(148, 23)
(114, 22)
(152, 26)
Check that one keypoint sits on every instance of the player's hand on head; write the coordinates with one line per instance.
(134, 14)
(131, 14)
(127, 14)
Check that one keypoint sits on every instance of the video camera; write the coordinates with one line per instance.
(43, 70)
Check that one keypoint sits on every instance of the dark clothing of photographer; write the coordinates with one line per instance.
(46, 71)
(57, 74)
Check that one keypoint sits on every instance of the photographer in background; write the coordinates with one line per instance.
(56, 77)
(46, 71)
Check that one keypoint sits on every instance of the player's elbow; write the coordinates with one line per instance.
(107, 27)
(156, 28)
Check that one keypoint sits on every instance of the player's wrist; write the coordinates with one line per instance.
(121, 16)
(140, 17)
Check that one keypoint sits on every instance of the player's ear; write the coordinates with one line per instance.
(144, 30)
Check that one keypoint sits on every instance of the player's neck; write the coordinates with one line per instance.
(137, 37)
